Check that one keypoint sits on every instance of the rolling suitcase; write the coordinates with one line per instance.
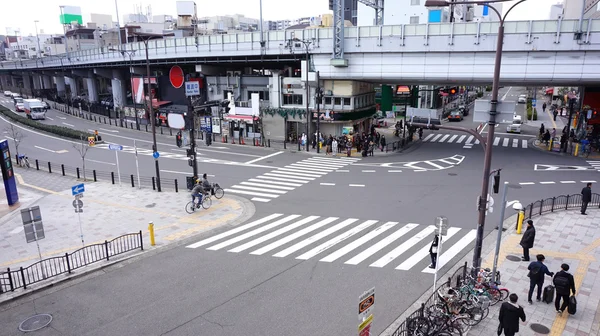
(572, 308)
(548, 294)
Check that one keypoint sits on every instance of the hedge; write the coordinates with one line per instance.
(530, 111)
(58, 130)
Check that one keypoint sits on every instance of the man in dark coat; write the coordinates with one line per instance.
(537, 270)
(527, 240)
(564, 284)
(586, 197)
(510, 313)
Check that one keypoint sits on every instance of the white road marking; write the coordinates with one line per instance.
(299, 172)
(264, 157)
(68, 124)
(368, 171)
(527, 183)
(356, 185)
(445, 137)
(180, 172)
(428, 137)
(505, 142)
(462, 137)
(469, 140)
(258, 179)
(50, 118)
(548, 182)
(107, 163)
(524, 142)
(434, 164)
(107, 130)
(280, 179)
(251, 193)
(436, 137)
(565, 182)
(453, 251)
(352, 246)
(424, 252)
(590, 181)
(396, 252)
(263, 185)
(258, 199)
(259, 189)
(452, 138)
(515, 143)
(327, 184)
(394, 171)
(496, 141)
(289, 176)
(63, 118)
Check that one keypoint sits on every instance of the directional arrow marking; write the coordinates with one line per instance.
(545, 167)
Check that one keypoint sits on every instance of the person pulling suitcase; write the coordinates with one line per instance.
(537, 270)
(564, 284)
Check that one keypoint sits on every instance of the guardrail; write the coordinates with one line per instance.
(96, 175)
(562, 202)
(67, 263)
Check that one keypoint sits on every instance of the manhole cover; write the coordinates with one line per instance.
(35, 322)
(513, 257)
(452, 174)
(538, 328)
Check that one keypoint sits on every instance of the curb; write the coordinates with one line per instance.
(532, 145)
(489, 246)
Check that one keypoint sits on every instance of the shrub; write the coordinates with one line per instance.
(58, 130)
(479, 94)
(530, 111)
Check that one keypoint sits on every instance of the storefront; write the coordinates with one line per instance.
(241, 125)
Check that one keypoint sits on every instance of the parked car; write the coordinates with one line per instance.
(455, 116)
(7, 93)
(522, 99)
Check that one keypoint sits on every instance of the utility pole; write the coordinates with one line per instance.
(318, 101)
(152, 117)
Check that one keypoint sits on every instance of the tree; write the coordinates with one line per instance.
(82, 150)
(16, 136)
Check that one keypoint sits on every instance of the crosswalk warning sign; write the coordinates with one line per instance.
(92, 141)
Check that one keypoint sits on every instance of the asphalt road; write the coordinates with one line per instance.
(325, 230)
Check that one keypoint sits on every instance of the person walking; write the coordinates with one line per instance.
(544, 107)
(586, 197)
(510, 313)
(382, 142)
(527, 240)
(537, 270)
(433, 250)
(334, 146)
(564, 284)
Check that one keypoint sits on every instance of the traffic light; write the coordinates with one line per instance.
(496, 182)
(452, 91)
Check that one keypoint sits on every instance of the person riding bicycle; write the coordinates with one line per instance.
(206, 185)
(197, 191)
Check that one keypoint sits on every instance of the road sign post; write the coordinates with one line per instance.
(192, 89)
(77, 192)
(366, 305)
(441, 223)
(118, 148)
(137, 165)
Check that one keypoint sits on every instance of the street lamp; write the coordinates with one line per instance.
(517, 207)
(307, 44)
(130, 54)
(492, 121)
(37, 37)
(151, 113)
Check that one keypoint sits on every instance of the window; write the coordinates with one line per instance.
(262, 95)
(292, 99)
(415, 2)
(327, 100)
(347, 102)
(337, 101)
(414, 20)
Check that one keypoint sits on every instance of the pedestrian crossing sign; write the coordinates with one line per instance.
(92, 141)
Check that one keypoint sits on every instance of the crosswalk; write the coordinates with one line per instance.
(468, 140)
(595, 164)
(378, 244)
(280, 181)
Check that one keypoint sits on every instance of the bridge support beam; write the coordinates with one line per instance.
(27, 83)
(73, 85)
(47, 82)
(60, 84)
(92, 88)
(37, 81)
(338, 59)
(118, 83)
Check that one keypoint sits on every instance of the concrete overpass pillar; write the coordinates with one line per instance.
(27, 83)
(92, 88)
(37, 84)
(46, 82)
(60, 85)
(118, 84)
(72, 82)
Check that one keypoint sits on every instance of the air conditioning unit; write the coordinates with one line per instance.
(230, 73)
(237, 73)
(328, 93)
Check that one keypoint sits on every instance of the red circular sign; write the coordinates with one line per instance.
(176, 76)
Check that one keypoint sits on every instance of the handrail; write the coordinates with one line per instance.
(562, 202)
(54, 266)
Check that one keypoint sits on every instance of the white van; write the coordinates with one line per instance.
(515, 127)
(34, 109)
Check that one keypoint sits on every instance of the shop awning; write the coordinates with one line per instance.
(549, 91)
(239, 117)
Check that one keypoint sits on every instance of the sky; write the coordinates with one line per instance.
(21, 14)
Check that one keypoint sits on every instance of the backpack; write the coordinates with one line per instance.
(561, 282)
(534, 273)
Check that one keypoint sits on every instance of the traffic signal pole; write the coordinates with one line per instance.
(192, 151)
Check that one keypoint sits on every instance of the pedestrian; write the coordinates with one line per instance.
(433, 250)
(303, 140)
(542, 130)
(527, 240)
(537, 270)
(544, 107)
(553, 135)
(586, 197)
(564, 284)
(382, 141)
(555, 114)
(334, 146)
(510, 313)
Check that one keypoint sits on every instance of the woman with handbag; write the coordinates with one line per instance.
(433, 250)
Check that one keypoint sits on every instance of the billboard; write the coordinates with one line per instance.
(70, 14)
(505, 111)
(137, 89)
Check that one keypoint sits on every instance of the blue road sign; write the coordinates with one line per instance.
(115, 147)
(533, 101)
(155, 155)
(78, 189)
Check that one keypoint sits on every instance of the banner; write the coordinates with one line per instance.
(71, 14)
(137, 90)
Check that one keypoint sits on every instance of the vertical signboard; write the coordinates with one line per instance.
(366, 304)
(10, 185)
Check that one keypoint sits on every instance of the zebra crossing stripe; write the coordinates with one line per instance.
(293, 236)
(354, 245)
(436, 137)
(505, 142)
(280, 179)
(428, 137)
(453, 251)
(234, 231)
(314, 238)
(330, 243)
(253, 233)
(252, 193)
(423, 252)
(524, 143)
(469, 140)
(296, 173)
(395, 253)
(259, 189)
(462, 137)
(496, 141)
(271, 183)
(380, 245)
(452, 138)
(515, 143)
(263, 185)
(445, 137)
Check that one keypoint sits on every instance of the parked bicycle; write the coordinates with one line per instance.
(23, 161)
(204, 202)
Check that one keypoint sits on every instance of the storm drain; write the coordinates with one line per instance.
(513, 257)
(36, 322)
(538, 328)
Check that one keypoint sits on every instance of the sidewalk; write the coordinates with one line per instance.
(108, 212)
(562, 237)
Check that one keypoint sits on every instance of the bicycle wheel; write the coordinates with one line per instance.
(27, 165)
(219, 192)
(190, 207)
(206, 202)
(459, 324)
(476, 315)
(504, 293)
(418, 326)
(537, 142)
(495, 295)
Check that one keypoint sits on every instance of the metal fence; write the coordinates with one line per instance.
(98, 175)
(454, 280)
(54, 266)
(558, 203)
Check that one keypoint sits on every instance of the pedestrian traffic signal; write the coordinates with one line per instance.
(452, 91)
(496, 182)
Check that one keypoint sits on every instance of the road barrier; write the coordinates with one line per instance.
(558, 203)
(67, 263)
(96, 175)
